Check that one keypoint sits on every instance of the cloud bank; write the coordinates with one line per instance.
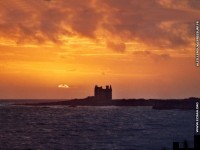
(159, 23)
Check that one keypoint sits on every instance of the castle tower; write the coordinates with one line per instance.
(103, 94)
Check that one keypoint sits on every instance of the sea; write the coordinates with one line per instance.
(93, 127)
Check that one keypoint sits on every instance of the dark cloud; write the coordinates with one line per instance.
(154, 23)
(154, 56)
(85, 22)
(183, 4)
(194, 4)
(42, 21)
(119, 47)
(142, 20)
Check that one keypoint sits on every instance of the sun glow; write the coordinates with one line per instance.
(65, 86)
(83, 43)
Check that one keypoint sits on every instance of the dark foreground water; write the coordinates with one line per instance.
(85, 128)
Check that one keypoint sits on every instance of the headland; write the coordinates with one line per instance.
(103, 97)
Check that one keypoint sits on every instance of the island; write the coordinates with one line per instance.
(103, 97)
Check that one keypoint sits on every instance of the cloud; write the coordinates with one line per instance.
(142, 20)
(154, 56)
(41, 21)
(164, 24)
(119, 47)
(177, 4)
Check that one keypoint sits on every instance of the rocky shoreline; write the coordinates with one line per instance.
(185, 104)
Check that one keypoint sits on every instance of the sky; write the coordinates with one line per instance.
(63, 48)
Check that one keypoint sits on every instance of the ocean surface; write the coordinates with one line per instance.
(85, 128)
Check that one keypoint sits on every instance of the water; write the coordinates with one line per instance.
(85, 128)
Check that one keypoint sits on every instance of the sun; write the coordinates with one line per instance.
(65, 86)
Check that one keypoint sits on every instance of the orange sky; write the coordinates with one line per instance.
(143, 48)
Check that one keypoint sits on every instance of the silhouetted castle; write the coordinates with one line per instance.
(103, 94)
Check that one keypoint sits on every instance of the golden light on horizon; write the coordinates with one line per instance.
(64, 86)
(97, 42)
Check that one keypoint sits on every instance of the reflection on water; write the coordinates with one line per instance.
(61, 128)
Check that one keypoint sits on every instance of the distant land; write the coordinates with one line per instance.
(162, 104)
(103, 97)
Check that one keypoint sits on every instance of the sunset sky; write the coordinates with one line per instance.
(63, 48)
